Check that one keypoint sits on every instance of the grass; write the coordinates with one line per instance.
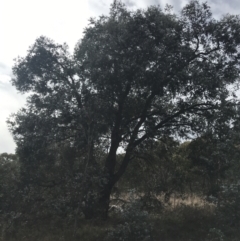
(183, 223)
(182, 220)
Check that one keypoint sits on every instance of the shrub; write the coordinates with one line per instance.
(135, 225)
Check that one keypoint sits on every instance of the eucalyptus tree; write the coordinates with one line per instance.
(133, 77)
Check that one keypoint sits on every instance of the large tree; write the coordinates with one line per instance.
(134, 76)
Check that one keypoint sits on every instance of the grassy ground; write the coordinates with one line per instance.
(183, 220)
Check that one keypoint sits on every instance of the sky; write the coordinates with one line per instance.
(23, 21)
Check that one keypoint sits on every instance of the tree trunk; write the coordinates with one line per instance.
(97, 204)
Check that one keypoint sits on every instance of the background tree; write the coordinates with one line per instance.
(162, 167)
(9, 192)
(135, 76)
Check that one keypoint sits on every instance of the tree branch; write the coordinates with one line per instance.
(160, 125)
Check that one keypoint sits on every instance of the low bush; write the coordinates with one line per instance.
(135, 225)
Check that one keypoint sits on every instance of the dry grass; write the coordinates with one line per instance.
(175, 201)
(191, 201)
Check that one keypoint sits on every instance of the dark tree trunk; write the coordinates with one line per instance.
(97, 205)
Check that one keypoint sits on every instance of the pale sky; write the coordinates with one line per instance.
(23, 21)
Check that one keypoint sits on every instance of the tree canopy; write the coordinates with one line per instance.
(134, 77)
